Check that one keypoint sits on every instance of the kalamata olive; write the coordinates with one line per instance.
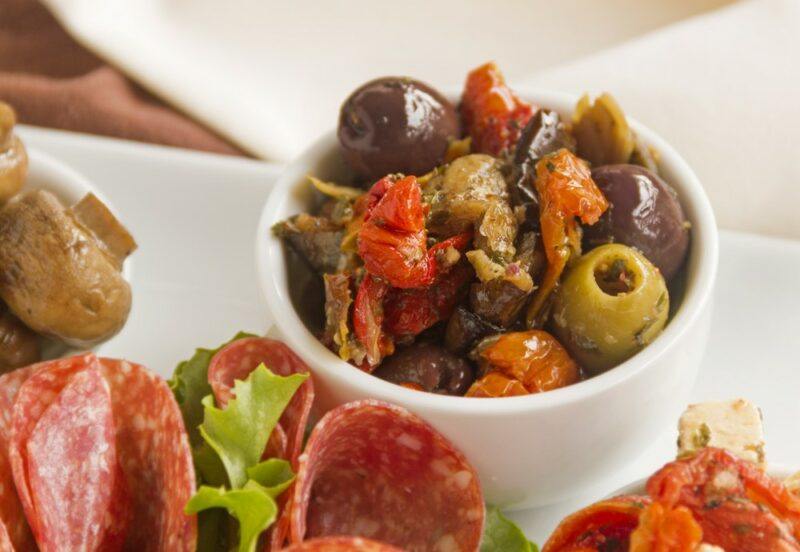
(611, 303)
(644, 213)
(465, 328)
(395, 125)
(429, 366)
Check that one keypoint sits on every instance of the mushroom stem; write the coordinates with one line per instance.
(94, 215)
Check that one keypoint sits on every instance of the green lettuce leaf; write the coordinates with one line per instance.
(502, 535)
(239, 433)
(189, 384)
(275, 475)
(252, 505)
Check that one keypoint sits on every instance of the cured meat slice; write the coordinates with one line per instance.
(375, 470)
(235, 362)
(5, 540)
(11, 512)
(154, 453)
(341, 544)
(72, 472)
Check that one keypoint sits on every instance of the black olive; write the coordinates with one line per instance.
(464, 329)
(431, 367)
(395, 125)
(644, 213)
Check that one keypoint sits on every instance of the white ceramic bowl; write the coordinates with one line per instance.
(536, 449)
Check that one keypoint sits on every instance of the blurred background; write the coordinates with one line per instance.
(716, 78)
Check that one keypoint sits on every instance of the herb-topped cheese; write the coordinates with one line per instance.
(732, 425)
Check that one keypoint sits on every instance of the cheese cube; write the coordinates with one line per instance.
(732, 425)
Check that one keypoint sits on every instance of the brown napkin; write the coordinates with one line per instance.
(52, 81)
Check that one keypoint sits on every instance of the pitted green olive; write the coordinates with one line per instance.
(611, 304)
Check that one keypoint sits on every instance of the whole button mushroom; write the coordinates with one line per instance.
(644, 213)
(429, 366)
(13, 158)
(395, 125)
(19, 345)
(60, 268)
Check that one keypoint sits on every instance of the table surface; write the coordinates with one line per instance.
(194, 216)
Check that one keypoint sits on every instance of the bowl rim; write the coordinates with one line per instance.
(269, 261)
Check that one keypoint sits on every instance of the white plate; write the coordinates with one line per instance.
(194, 216)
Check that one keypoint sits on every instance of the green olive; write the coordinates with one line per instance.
(611, 303)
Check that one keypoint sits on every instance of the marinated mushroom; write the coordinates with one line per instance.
(13, 157)
(19, 346)
(60, 270)
(317, 239)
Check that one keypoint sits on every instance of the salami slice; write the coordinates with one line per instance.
(155, 456)
(341, 544)
(375, 470)
(235, 362)
(5, 539)
(11, 512)
(73, 477)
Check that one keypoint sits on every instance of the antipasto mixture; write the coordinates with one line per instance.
(490, 249)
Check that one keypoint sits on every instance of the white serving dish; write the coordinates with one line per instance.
(537, 449)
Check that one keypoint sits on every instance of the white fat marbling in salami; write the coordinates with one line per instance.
(341, 544)
(235, 362)
(154, 453)
(375, 470)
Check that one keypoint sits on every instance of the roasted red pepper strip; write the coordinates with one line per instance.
(391, 241)
(606, 525)
(411, 311)
(368, 317)
(493, 115)
(663, 529)
(566, 193)
(738, 506)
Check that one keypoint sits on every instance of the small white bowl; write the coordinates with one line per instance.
(536, 449)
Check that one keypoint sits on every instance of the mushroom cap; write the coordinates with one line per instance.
(55, 275)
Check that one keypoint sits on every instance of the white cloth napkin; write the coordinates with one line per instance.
(724, 89)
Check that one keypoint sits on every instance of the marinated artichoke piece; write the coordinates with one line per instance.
(462, 193)
(602, 132)
(56, 275)
(487, 270)
(317, 239)
(13, 157)
(611, 304)
(338, 299)
(496, 232)
(464, 329)
(19, 346)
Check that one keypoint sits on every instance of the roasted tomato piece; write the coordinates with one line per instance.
(664, 529)
(411, 311)
(392, 238)
(736, 503)
(606, 525)
(368, 321)
(495, 384)
(493, 115)
(566, 193)
(533, 357)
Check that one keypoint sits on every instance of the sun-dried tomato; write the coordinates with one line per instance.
(566, 193)
(663, 529)
(605, 525)
(738, 506)
(392, 239)
(495, 384)
(534, 357)
(368, 318)
(411, 311)
(493, 115)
